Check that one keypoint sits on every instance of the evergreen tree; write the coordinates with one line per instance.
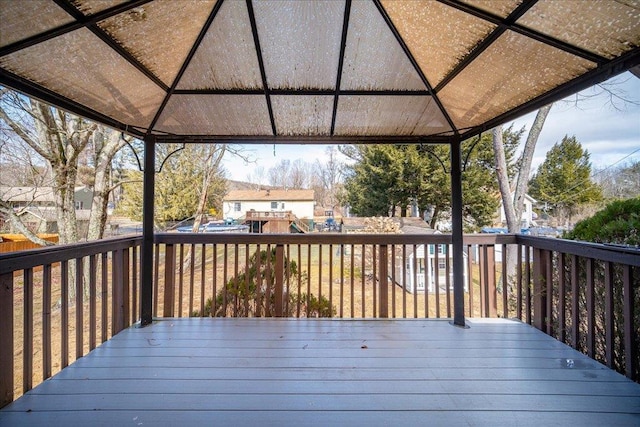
(563, 180)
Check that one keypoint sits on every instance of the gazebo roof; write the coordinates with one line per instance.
(312, 71)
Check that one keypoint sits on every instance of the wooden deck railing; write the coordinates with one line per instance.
(583, 294)
(58, 303)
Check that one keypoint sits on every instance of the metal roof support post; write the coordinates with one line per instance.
(146, 257)
(456, 234)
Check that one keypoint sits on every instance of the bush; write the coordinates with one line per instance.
(618, 223)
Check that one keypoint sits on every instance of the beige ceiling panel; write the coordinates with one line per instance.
(373, 58)
(302, 114)
(438, 36)
(300, 42)
(216, 115)
(160, 34)
(91, 7)
(22, 19)
(608, 28)
(389, 115)
(512, 71)
(226, 58)
(501, 8)
(79, 66)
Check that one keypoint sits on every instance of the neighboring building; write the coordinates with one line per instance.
(36, 207)
(528, 215)
(43, 197)
(237, 203)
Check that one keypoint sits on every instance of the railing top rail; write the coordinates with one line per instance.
(599, 251)
(328, 238)
(14, 261)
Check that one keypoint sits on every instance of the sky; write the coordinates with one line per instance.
(607, 127)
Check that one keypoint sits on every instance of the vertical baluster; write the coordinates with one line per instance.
(362, 253)
(156, 279)
(268, 288)
(505, 303)
(288, 310)
(258, 282)
(235, 278)
(278, 286)
(330, 279)
(134, 284)
(393, 281)
(375, 284)
(225, 266)
(27, 349)
(471, 255)
(527, 282)
(427, 279)
(320, 249)
(308, 279)
(630, 348)
(383, 275)
(64, 314)
(214, 275)
(79, 309)
(548, 259)
(203, 274)
(92, 302)
(180, 279)
(405, 278)
(562, 299)
(299, 278)
(192, 274)
(247, 267)
(519, 282)
(117, 320)
(437, 276)
(46, 318)
(104, 296)
(591, 309)
(575, 314)
(352, 281)
(492, 292)
(484, 300)
(415, 281)
(7, 346)
(608, 313)
(169, 280)
(447, 280)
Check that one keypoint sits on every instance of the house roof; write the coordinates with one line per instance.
(312, 71)
(31, 194)
(269, 195)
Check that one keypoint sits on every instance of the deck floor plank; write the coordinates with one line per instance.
(330, 372)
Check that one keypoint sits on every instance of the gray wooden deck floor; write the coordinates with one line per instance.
(331, 372)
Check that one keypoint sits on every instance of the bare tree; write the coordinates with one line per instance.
(58, 138)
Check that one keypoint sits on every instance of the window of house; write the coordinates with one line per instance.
(274, 205)
(79, 205)
(237, 207)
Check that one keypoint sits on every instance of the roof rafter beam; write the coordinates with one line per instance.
(186, 62)
(343, 45)
(112, 43)
(263, 74)
(300, 92)
(84, 21)
(509, 24)
(415, 65)
(308, 140)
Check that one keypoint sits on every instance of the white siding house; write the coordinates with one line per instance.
(238, 202)
(420, 270)
(527, 213)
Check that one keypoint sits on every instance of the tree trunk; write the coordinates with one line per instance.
(18, 225)
(513, 222)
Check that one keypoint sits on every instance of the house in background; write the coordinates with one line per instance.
(36, 207)
(271, 211)
(528, 216)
